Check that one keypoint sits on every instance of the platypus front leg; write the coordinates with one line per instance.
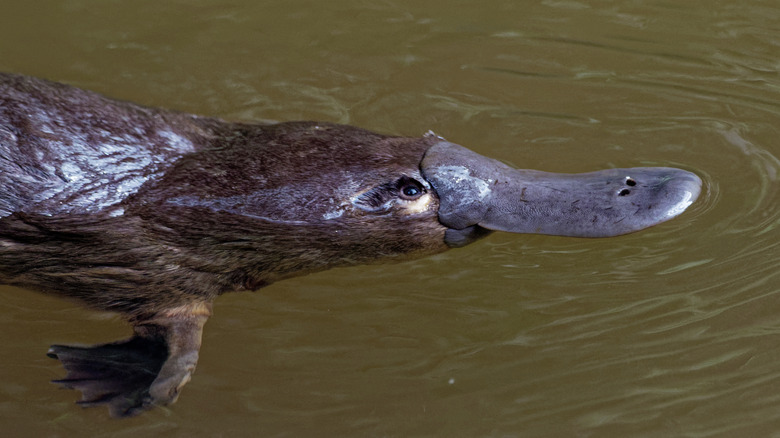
(146, 370)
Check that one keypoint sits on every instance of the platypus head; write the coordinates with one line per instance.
(307, 196)
(473, 195)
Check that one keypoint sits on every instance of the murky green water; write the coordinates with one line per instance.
(669, 332)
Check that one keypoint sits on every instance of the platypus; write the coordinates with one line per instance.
(153, 213)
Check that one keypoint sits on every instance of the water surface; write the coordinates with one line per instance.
(669, 332)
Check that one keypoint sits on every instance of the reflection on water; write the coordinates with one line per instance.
(669, 332)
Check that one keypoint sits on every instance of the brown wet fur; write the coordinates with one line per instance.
(160, 254)
(155, 229)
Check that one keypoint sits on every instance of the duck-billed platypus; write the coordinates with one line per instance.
(153, 214)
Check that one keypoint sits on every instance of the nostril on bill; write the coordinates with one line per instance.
(630, 182)
(624, 192)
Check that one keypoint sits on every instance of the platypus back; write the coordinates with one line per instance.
(67, 150)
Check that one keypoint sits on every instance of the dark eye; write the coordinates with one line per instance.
(411, 191)
(409, 188)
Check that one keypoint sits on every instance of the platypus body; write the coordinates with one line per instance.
(154, 213)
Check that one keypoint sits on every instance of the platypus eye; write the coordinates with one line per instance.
(382, 198)
(409, 188)
(410, 191)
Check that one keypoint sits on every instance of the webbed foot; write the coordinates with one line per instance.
(136, 374)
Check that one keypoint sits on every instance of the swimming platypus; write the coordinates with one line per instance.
(154, 213)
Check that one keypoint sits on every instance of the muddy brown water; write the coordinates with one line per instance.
(673, 331)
